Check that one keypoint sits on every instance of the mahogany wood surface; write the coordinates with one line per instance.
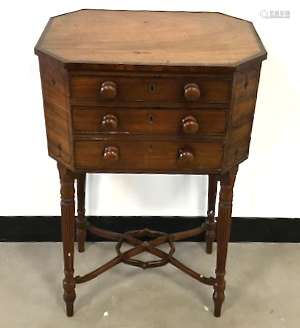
(223, 235)
(147, 155)
(68, 234)
(148, 92)
(163, 91)
(149, 121)
(172, 38)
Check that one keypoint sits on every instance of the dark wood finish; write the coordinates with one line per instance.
(190, 125)
(118, 101)
(56, 110)
(65, 122)
(133, 238)
(149, 121)
(223, 235)
(186, 156)
(108, 90)
(192, 92)
(119, 154)
(81, 220)
(244, 92)
(109, 122)
(111, 154)
(211, 206)
(140, 89)
(68, 234)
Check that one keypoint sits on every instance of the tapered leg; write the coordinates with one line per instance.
(68, 234)
(81, 220)
(211, 223)
(223, 235)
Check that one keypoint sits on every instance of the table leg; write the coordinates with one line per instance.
(223, 235)
(68, 234)
(81, 220)
(211, 222)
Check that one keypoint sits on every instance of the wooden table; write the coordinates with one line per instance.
(148, 92)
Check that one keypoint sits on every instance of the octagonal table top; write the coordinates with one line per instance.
(150, 38)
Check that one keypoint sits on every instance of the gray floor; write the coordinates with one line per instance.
(263, 289)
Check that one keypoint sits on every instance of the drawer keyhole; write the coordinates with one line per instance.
(152, 87)
(150, 119)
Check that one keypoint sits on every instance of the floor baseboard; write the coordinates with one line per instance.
(250, 229)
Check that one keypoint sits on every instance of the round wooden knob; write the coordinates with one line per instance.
(111, 153)
(109, 122)
(190, 125)
(108, 90)
(185, 155)
(192, 92)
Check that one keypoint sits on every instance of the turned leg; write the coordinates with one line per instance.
(68, 232)
(223, 235)
(81, 220)
(211, 223)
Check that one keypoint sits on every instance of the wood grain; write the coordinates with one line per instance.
(241, 115)
(150, 89)
(147, 121)
(148, 92)
(147, 155)
(54, 80)
(68, 234)
(150, 38)
(223, 235)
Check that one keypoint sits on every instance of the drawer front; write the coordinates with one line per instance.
(143, 121)
(149, 91)
(144, 156)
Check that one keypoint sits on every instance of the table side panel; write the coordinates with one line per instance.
(245, 86)
(54, 80)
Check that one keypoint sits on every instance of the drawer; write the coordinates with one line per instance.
(149, 91)
(147, 155)
(144, 121)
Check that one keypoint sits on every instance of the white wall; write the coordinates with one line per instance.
(267, 184)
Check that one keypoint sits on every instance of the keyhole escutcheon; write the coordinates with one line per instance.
(152, 87)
